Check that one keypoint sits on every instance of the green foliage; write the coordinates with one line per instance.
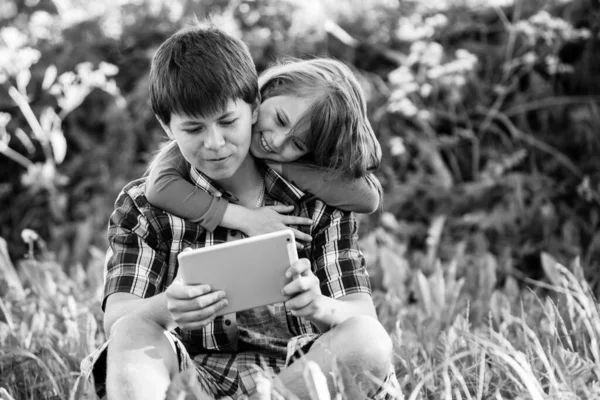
(48, 323)
(467, 337)
(461, 336)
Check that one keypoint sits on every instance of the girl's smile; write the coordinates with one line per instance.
(264, 144)
(273, 136)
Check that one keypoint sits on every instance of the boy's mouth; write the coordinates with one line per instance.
(216, 160)
(265, 146)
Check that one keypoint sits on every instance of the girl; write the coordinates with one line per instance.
(312, 128)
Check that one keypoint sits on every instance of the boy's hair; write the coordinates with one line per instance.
(198, 70)
(339, 134)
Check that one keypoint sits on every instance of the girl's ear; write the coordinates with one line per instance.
(255, 109)
(165, 127)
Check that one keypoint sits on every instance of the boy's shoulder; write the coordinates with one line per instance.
(133, 209)
(304, 202)
(135, 191)
(132, 199)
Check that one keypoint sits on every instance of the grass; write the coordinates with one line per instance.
(457, 333)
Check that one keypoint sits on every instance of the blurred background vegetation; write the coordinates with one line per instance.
(487, 112)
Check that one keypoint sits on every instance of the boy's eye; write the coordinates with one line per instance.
(192, 131)
(229, 122)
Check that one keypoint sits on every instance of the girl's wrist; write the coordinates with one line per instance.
(234, 217)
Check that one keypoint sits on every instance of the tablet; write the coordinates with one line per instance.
(250, 271)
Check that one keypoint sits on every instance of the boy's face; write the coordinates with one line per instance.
(215, 145)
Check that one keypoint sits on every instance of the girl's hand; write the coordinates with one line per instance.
(193, 306)
(304, 291)
(271, 219)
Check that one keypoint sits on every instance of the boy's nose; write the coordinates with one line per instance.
(214, 139)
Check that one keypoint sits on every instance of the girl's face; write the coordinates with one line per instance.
(272, 139)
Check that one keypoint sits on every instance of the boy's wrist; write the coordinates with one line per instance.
(324, 312)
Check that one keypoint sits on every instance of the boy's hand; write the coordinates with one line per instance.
(270, 219)
(304, 290)
(193, 306)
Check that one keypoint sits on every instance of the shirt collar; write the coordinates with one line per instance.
(276, 186)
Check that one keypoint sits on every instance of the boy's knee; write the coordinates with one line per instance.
(366, 344)
(131, 330)
(133, 338)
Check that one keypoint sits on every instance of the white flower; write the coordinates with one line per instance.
(437, 21)
(403, 106)
(108, 69)
(397, 147)
(12, 37)
(29, 236)
(401, 75)
(4, 120)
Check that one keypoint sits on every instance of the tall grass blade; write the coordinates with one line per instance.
(4, 395)
(315, 381)
(48, 373)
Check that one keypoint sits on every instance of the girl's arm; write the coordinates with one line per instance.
(167, 188)
(361, 195)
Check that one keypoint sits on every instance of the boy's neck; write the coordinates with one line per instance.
(246, 183)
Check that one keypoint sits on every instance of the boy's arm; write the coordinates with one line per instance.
(334, 284)
(129, 235)
(361, 195)
(167, 189)
(135, 285)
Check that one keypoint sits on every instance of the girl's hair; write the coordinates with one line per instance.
(339, 134)
(167, 151)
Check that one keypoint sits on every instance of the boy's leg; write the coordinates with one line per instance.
(360, 345)
(141, 360)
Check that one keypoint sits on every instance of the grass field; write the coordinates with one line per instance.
(458, 333)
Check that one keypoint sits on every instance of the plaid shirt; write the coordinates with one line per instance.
(142, 260)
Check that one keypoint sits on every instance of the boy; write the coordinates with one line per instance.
(204, 93)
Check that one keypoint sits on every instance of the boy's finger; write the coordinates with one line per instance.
(181, 291)
(207, 312)
(298, 302)
(209, 299)
(298, 286)
(298, 268)
(196, 303)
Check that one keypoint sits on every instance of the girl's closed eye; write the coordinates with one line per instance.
(280, 120)
(298, 145)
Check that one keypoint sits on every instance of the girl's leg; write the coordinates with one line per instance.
(141, 360)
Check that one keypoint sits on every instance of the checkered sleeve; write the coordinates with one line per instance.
(135, 262)
(337, 260)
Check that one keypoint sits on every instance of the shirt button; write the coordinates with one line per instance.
(227, 322)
